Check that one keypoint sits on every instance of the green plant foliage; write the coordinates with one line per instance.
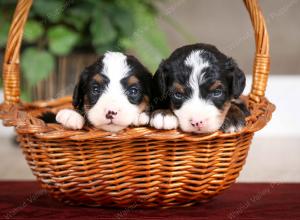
(60, 27)
(3, 33)
(77, 17)
(61, 40)
(4, 28)
(33, 31)
(102, 30)
(148, 41)
(123, 18)
(37, 65)
(25, 96)
(49, 10)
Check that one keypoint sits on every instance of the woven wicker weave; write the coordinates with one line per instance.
(138, 166)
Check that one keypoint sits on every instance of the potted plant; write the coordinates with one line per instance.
(63, 36)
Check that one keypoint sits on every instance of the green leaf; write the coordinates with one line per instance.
(104, 48)
(4, 33)
(33, 31)
(123, 19)
(148, 41)
(36, 65)
(62, 40)
(77, 17)
(25, 95)
(126, 43)
(102, 30)
(51, 10)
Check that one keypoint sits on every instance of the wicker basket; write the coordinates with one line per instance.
(139, 166)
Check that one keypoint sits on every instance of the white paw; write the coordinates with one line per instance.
(142, 119)
(164, 121)
(70, 119)
(233, 129)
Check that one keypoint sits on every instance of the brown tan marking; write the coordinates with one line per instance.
(234, 114)
(225, 109)
(235, 111)
(144, 105)
(179, 87)
(132, 80)
(86, 104)
(98, 78)
(215, 85)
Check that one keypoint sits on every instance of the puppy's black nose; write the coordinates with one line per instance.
(111, 114)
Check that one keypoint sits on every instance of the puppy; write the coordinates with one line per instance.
(195, 88)
(112, 94)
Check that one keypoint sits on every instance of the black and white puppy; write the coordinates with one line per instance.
(195, 89)
(112, 94)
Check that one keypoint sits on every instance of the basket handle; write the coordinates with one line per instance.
(11, 64)
(261, 65)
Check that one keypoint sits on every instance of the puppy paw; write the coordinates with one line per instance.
(234, 120)
(70, 119)
(142, 119)
(163, 119)
(232, 128)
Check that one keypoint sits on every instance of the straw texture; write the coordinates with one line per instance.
(138, 166)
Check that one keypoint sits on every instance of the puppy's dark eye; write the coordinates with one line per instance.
(217, 93)
(178, 95)
(133, 91)
(96, 89)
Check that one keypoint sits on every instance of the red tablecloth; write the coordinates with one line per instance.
(25, 200)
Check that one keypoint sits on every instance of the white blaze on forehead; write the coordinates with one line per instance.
(115, 65)
(195, 61)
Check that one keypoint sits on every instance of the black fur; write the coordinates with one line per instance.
(48, 117)
(143, 86)
(237, 78)
(88, 91)
(85, 86)
(173, 69)
(222, 81)
(236, 116)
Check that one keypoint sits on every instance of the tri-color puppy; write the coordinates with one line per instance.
(197, 89)
(112, 94)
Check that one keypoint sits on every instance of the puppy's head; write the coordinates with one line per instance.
(197, 82)
(113, 91)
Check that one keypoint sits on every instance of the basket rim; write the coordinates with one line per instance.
(25, 119)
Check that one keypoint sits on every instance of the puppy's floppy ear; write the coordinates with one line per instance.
(78, 93)
(160, 84)
(236, 78)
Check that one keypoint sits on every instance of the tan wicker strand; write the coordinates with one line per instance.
(11, 69)
(11, 77)
(261, 66)
(138, 166)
